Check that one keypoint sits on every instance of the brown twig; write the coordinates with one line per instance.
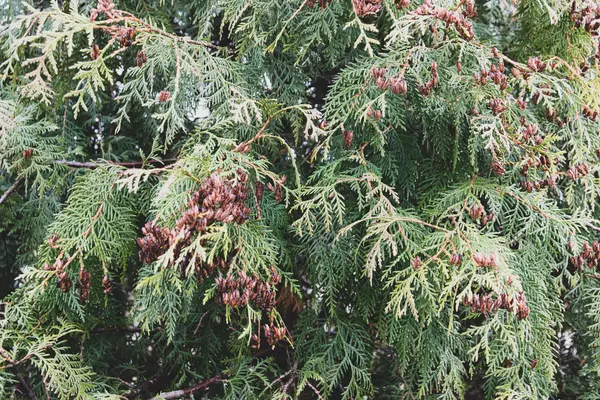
(10, 190)
(244, 145)
(25, 385)
(176, 394)
(314, 389)
(200, 322)
(10, 362)
(46, 388)
(293, 371)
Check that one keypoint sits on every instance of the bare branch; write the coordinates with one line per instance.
(11, 189)
(25, 385)
(176, 394)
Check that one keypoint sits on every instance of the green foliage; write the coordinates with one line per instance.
(299, 199)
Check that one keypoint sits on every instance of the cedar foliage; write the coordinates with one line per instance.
(315, 199)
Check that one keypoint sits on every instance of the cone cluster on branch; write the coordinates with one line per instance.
(486, 260)
(416, 262)
(589, 113)
(106, 7)
(95, 52)
(277, 188)
(495, 74)
(589, 18)
(530, 186)
(497, 106)
(463, 26)
(59, 267)
(487, 304)
(425, 89)
(374, 113)
(477, 213)
(141, 58)
(347, 137)
(241, 290)
(217, 200)
(396, 84)
(85, 283)
(528, 131)
(27, 153)
(125, 36)
(498, 167)
(577, 171)
(536, 64)
(590, 255)
(106, 284)
(455, 259)
(400, 4)
(362, 8)
(164, 96)
(272, 333)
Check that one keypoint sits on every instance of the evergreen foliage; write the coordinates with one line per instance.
(313, 199)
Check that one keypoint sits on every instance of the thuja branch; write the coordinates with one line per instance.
(129, 164)
(150, 28)
(17, 370)
(10, 362)
(390, 220)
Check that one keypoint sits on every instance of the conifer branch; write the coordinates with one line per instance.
(149, 28)
(129, 164)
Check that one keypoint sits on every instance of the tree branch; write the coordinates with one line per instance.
(131, 164)
(245, 145)
(25, 384)
(122, 329)
(176, 394)
(135, 391)
(11, 189)
(314, 389)
(17, 370)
